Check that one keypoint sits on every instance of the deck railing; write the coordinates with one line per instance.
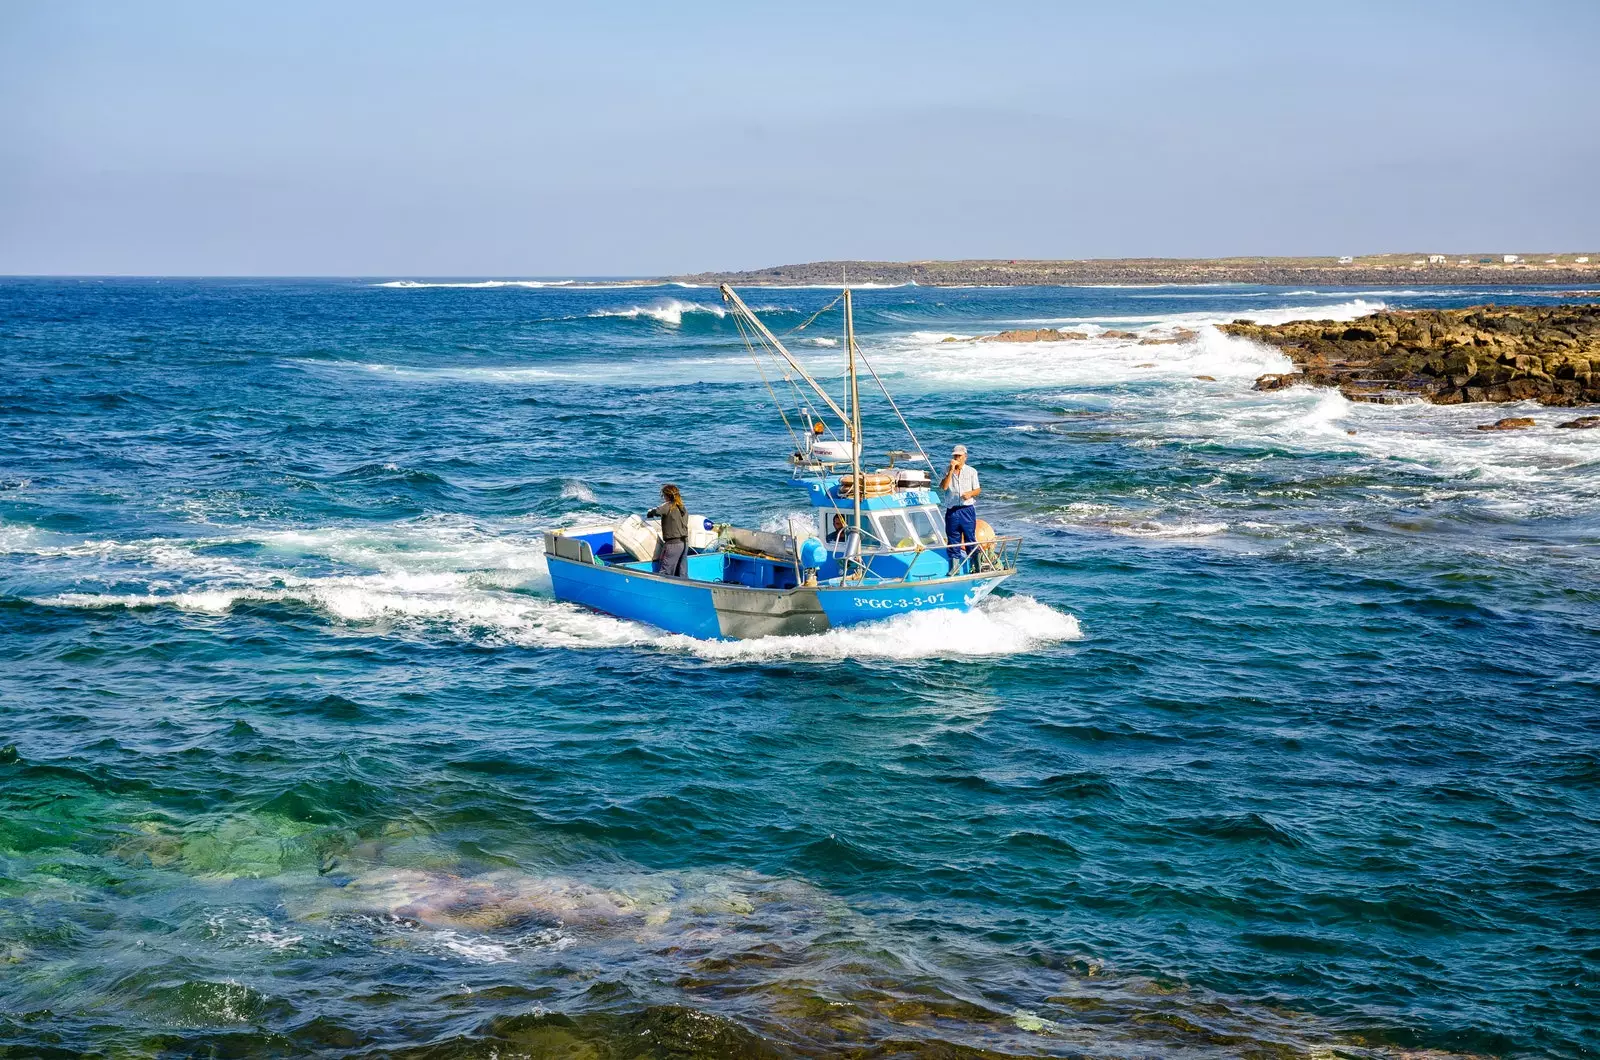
(997, 555)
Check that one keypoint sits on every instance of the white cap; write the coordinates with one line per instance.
(959, 450)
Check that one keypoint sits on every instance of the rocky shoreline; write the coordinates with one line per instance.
(1383, 269)
(1550, 354)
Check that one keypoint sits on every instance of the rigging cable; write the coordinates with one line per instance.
(913, 434)
(763, 373)
(813, 318)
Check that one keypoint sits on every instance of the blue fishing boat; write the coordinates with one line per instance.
(877, 547)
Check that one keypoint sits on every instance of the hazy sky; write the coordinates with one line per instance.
(518, 139)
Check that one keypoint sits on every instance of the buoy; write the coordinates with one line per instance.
(983, 533)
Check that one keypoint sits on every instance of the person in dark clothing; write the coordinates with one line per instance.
(840, 527)
(673, 560)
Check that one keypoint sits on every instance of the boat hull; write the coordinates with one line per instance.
(719, 611)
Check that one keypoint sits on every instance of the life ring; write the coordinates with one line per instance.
(873, 484)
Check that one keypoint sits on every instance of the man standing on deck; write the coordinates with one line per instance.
(960, 486)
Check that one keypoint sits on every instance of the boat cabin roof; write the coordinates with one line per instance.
(825, 493)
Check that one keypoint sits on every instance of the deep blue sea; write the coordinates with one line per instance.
(1286, 742)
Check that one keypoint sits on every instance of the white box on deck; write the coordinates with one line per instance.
(637, 538)
(700, 533)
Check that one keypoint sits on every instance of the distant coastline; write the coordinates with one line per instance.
(1407, 269)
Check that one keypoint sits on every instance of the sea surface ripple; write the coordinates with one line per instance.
(1286, 742)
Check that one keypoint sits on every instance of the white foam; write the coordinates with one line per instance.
(463, 374)
(418, 604)
(831, 286)
(669, 312)
(490, 586)
(575, 490)
(1011, 625)
(476, 950)
(925, 357)
(254, 929)
(479, 284)
(577, 285)
(1349, 310)
(415, 604)
(1154, 528)
(1521, 474)
(798, 520)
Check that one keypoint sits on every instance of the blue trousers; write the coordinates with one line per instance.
(960, 525)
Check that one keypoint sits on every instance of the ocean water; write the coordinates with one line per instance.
(1285, 743)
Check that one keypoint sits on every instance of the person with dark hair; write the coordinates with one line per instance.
(673, 560)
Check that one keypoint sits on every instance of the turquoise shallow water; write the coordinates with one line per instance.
(1285, 743)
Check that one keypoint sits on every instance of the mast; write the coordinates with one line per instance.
(855, 416)
(733, 299)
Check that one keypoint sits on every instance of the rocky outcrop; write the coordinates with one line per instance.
(1055, 335)
(1482, 353)
(1577, 267)
(1510, 423)
(1582, 423)
(1180, 335)
(1035, 335)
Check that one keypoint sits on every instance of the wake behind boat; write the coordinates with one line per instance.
(878, 547)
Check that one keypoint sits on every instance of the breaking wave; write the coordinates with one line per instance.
(670, 312)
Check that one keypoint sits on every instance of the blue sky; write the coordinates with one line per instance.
(519, 139)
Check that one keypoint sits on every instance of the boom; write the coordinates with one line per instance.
(732, 298)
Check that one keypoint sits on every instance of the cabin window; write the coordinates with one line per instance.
(896, 531)
(928, 529)
(869, 535)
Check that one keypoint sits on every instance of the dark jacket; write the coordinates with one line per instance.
(674, 521)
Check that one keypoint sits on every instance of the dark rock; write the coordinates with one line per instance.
(1034, 335)
(1279, 382)
(1180, 335)
(1582, 423)
(1510, 423)
(1483, 353)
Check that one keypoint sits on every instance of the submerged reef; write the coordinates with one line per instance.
(1446, 356)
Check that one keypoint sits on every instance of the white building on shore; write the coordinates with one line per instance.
(1436, 259)
(1509, 259)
